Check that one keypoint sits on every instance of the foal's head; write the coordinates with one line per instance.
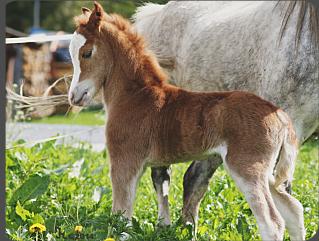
(89, 56)
(103, 45)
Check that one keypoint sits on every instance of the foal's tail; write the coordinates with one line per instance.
(285, 167)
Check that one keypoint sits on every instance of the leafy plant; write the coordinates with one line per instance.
(41, 191)
(35, 186)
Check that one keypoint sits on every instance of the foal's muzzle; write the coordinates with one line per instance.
(82, 93)
(81, 96)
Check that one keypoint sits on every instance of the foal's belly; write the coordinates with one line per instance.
(174, 159)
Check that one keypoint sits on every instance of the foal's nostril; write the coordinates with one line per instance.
(77, 99)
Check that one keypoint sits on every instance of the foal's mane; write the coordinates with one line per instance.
(123, 34)
(303, 5)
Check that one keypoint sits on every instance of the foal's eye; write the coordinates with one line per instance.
(87, 55)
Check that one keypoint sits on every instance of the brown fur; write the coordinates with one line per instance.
(152, 123)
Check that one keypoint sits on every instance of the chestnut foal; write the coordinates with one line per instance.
(152, 123)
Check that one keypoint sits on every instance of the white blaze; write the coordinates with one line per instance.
(76, 43)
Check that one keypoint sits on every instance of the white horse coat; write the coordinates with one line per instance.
(211, 46)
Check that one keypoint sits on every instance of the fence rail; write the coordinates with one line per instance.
(38, 39)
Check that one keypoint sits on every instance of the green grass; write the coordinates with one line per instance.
(93, 117)
(40, 190)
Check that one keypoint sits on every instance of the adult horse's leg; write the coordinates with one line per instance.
(161, 181)
(124, 177)
(196, 180)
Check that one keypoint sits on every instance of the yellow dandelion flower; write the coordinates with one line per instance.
(109, 239)
(37, 227)
(78, 229)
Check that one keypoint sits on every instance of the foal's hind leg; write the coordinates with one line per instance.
(196, 180)
(292, 212)
(161, 180)
(252, 179)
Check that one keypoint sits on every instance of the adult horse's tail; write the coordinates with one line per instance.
(302, 8)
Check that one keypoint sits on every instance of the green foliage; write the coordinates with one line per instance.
(58, 15)
(32, 188)
(65, 201)
(22, 213)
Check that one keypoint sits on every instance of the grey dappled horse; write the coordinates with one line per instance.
(269, 48)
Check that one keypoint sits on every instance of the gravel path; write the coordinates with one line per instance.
(33, 133)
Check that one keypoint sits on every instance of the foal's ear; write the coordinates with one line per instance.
(86, 11)
(98, 9)
(96, 16)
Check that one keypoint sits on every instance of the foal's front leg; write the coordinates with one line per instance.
(124, 177)
(161, 180)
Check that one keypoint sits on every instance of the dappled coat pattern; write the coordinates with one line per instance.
(269, 48)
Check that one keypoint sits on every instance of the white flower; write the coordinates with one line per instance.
(76, 168)
(97, 194)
